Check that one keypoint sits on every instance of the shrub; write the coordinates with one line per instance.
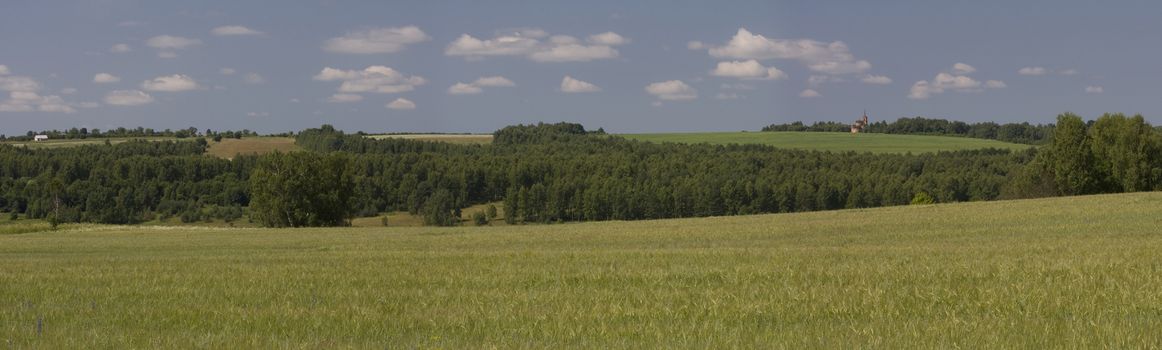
(922, 198)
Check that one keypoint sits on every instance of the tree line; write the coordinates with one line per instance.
(95, 133)
(1023, 133)
(552, 173)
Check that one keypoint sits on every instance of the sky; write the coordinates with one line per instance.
(626, 66)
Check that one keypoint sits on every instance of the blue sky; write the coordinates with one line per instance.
(642, 66)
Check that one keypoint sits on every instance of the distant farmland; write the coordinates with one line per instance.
(449, 138)
(228, 148)
(1047, 273)
(833, 141)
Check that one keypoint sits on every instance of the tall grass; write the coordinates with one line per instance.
(1061, 272)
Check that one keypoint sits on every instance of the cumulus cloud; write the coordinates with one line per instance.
(956, 81)
(105, 78)
(749, 69)
(810, 93)
(819, 79)
(18, 83)
(1032, 71)
(672, 90)
(876, 79)
(167, 54)
(494, 81)
(961, 69)
(464, 89)
(170, 83)
(120, 48)
(234, 31)
(376, 40)
(29, 101)
(608, 38)
(829, 58)
(169, 42)
(1094, 89)
(378, 79)
(254, 79)
(401, 104)
(571, 85)
(4, 70)
(528, 43)
(127, 98)
(695, 45)
(344, 98)
(478, 86)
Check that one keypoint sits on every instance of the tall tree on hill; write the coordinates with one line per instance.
(1069, 157)
(302, 189)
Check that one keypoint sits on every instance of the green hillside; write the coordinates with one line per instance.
(1062, 272)
(832, 141)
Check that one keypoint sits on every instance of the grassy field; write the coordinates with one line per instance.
(228, 148)
(481, 139)
(57, 143)
(1078, 272)
(833, 141)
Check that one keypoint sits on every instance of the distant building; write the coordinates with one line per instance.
(39, 138)
(859, 124)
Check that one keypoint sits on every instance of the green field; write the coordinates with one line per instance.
(1064, 272)
(57, 143)
(833, 141)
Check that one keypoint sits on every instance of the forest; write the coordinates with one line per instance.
(1023, 133)
(546, 173)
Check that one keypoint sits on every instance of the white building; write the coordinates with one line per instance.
(39, 138)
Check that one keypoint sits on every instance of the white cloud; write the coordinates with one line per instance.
(749, 69)
(376, 40)
(4, 70)
(495, 81)
(527, 42)
(478, 86)
(401, 104)
(254, 78)
(464, 89)
(29, 101)
(234, 30)
(829, 58)
(951, 82)
(128, 98)
(571, 85)
(120, 48)
(1032, 71)
(876, 79)
(227, 71)
(695, 45)
(18, 83)
(810, 93)
(69, 91)
(672, 90)
(962, 69)
(574, 53)
(167, 54)
(727, 96)
(379, 79)
(169, 42)
(344, 98)
(1069, 71)
(105, 78)
(1094, 89)
(170, 83)
(608, 39)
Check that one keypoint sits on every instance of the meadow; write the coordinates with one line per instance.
(833, 141)
(1076, 272)
(480, 139)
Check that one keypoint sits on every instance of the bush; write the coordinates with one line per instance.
(922, 198)
(491, 211)
(480, 218)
